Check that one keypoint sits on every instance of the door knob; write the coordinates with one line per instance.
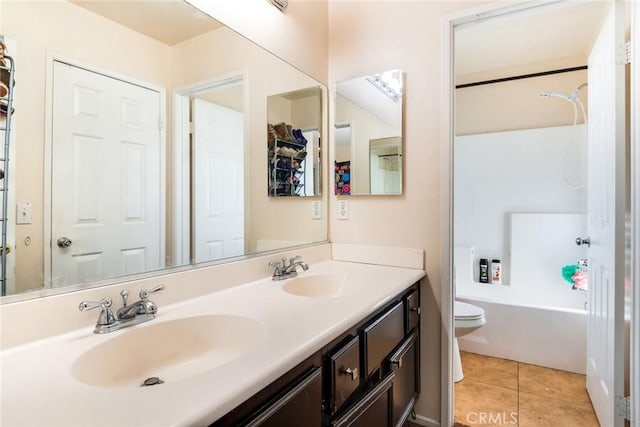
(580, 241)
(64, 242)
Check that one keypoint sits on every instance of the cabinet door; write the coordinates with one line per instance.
(382, 336)
(344, 378)
(300, 406)
(373, 410)
(404, 363)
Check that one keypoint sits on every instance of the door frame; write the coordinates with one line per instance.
(449, 23)
(634, 373)
(181, 220)
(48, 146)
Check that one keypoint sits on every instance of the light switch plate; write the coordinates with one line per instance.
(316, 209)
(343, 209)
(24, 213)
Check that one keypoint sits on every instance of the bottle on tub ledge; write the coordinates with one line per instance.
(484, 270)
(496, 271)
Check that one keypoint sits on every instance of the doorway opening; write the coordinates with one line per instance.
(517, 206)
(209, 170)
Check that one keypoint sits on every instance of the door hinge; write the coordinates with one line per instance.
(623, 407)
(623, 55)
(161, 124)
(190, 127)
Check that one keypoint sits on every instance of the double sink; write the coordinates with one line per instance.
(181, 348)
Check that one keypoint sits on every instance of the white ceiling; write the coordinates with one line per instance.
(168, 21)
(558, 36)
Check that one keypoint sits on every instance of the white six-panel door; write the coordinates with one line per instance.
(606, 198)
(218, 181)
(106, 184)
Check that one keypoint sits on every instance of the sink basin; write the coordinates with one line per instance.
(320, 285)
(171, 350)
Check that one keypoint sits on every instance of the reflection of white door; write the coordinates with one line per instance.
(605, 227)
(218, 182)
(105, 184)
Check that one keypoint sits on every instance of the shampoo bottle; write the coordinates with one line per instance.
(484, 270)
(496, 271)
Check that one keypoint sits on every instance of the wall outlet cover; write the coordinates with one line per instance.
(316, 209)
(343, 209)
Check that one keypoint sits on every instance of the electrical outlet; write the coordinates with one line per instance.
(316, 209)
(343, 209)
(24, 213)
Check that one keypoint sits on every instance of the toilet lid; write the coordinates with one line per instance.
(462, 310)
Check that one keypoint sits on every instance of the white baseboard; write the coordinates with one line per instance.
(425, 421)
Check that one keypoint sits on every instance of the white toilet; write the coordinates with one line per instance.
(468, 318)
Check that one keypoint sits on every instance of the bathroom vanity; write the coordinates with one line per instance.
(338, 345)
(368, 376)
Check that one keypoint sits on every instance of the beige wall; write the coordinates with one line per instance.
(65, 29)
(517, 104)
(299, 36)
(370, 36)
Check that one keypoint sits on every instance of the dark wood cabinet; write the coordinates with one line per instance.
(372, 410)
(382, 336)
(406, 383)
(299, 406)
(369, 376)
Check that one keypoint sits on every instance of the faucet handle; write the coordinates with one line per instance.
(277, 263)
(295, 259)
(106, 315)
(88, 305)
(125, 295)
(144, 294)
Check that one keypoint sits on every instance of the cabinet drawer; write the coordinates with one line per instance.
(344, 377)
(404, 363)
(382, 336)
(301, 405)
(372, 410)
(412, 307)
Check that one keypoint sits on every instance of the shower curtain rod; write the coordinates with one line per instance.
(523, 76)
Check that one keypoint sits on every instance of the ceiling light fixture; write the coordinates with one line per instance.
(280, 4)
(389, 83)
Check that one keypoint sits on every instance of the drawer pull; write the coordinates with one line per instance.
(417, 310)
(397, 363)
(351, 372)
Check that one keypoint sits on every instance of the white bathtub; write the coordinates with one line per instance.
(554, 337)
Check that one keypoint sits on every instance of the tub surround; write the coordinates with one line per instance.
(295, 328)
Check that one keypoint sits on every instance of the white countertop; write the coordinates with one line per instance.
(38, 387)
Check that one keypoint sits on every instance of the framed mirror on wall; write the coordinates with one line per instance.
(154, 146)
(368, 135)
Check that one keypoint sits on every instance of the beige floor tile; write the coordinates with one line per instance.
(482, 404)
(490, 370)
(537, 411)
(553, 384)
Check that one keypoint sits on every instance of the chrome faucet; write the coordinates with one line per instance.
(128, 315)
(283, 271)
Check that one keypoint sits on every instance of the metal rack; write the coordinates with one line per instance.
(287, 180)
(5, 128)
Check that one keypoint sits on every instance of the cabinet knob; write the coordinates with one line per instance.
(352, 372)
(397, 363)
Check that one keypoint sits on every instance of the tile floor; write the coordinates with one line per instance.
(498, 392)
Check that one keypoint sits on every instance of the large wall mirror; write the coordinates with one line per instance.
(139, 143)
(368, 135)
